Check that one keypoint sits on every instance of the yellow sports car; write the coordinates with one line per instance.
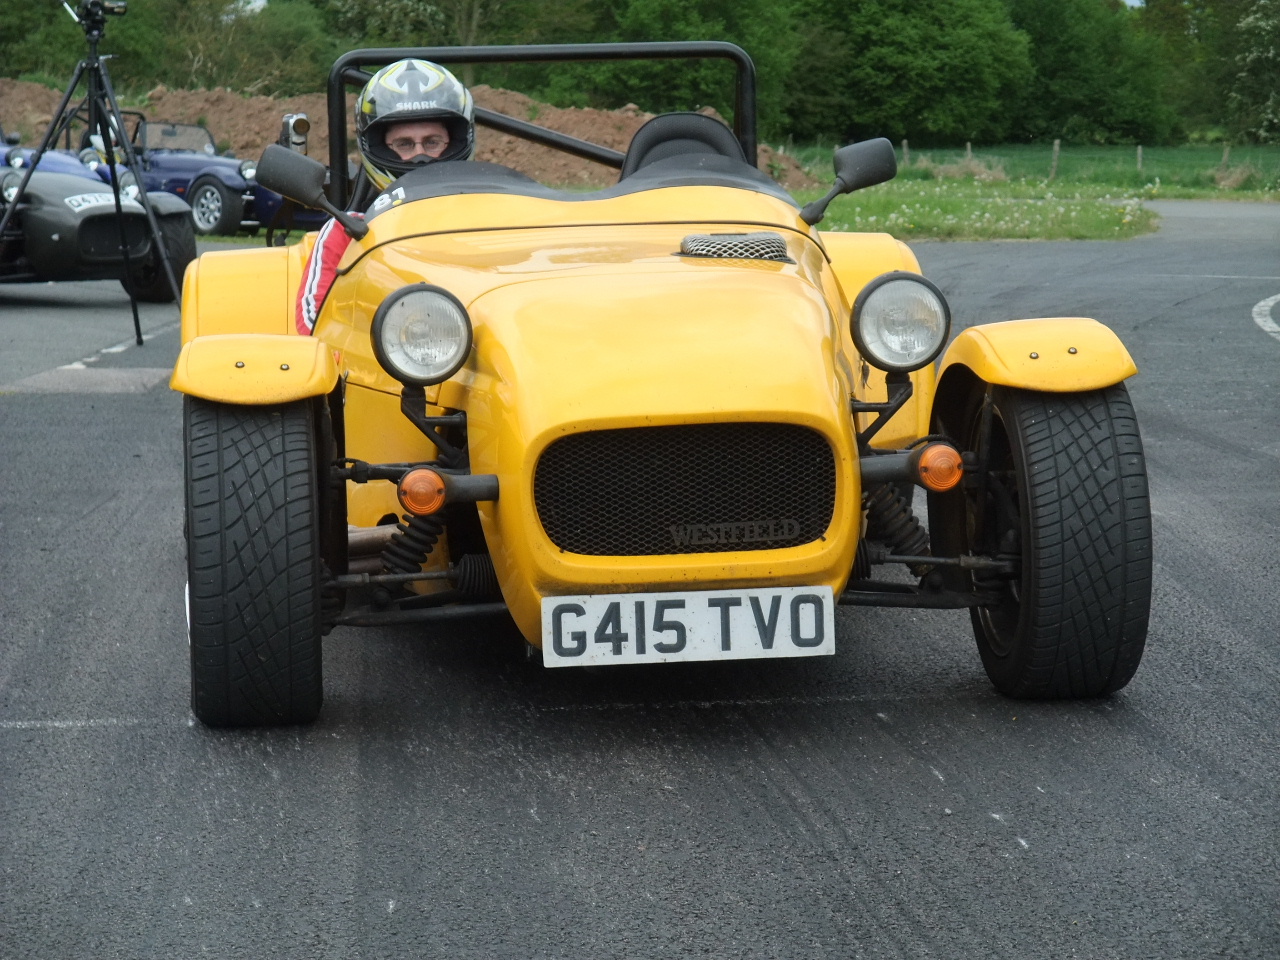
(670, 420)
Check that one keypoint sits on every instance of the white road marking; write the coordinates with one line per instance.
(1262, 316)
(1024, 844)
(81, 376)
(78, 378)
(73, 724)
(1204, 276)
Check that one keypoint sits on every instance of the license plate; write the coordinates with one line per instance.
(601, 629)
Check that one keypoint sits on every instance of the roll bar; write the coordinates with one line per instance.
(349, 70)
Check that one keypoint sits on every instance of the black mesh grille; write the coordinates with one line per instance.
(100, 237)
(703, 488)
(736, 246)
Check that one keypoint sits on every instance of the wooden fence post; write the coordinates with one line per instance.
(1053, 167)
(1226, 155)
(906, 153)
(968, 150)
(1139, 159)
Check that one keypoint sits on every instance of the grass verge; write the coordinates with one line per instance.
(1005, 192)
(977, 210)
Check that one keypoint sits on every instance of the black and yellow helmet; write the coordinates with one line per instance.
(406, 91)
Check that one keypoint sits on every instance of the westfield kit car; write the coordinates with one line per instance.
(670, 420)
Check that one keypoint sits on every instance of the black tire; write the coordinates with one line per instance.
(148, 281)
(253, 562)
(215, 207)
(1066, 498)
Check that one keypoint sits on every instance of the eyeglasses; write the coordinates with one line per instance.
(405, 145)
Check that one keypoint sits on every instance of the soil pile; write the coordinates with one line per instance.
(244, 125)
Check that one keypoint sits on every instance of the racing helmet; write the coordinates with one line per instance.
(406, 91)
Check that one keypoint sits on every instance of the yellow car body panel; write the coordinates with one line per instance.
(243, 291)
(254, 368)
(1056, 355)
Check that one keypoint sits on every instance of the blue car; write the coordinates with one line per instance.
(15, 159)
(182, 159)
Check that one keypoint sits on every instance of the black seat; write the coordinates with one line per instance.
(680, 134)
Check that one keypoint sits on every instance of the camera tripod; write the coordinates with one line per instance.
(102, 111)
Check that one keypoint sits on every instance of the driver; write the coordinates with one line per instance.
(410, 113)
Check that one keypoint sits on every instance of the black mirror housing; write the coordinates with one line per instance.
(301, 179)
(865, 164)
(293, 175)
(857, 166)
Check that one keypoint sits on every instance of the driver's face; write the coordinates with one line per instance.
(418, 138)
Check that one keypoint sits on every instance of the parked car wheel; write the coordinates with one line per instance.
(215, 208)
(254, 561)
(148, 281)
(1065, 497)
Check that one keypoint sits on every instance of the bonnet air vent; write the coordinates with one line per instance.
(736, 246)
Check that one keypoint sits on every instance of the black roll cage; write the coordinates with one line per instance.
(348, 70)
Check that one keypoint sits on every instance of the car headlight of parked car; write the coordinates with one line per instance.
(421, 334)
(900, 322)
(9, 184)
(249, 169)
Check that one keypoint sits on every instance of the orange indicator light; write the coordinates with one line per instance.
(421, 492)
(940, 467)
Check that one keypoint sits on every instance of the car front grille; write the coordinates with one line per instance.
(99, 237)
(699, 488)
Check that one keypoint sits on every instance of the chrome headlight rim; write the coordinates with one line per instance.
(249, 170)
(380, 322)
(860, 341)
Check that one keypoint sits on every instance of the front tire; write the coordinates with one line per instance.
(215, 208)
(148, 281)
(254, 562)
(1065, 499)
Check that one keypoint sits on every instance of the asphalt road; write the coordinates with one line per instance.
(453, 802)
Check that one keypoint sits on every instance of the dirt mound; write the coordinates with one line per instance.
(245, 125)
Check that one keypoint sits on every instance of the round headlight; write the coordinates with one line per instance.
(9, 184)
(249, 169)
(421, 334)
(15, 160)
(900, 322)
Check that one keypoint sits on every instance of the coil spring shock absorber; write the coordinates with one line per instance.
(891, 520)
(409, 548)
(474, 577)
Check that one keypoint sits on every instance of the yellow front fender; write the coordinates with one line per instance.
(1056, 355)
(255, 368)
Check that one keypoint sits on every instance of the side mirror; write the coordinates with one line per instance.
(300, 178)
(858, 165)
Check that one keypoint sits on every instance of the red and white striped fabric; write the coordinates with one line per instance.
(319, 274)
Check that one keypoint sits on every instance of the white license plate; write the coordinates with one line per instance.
(691, 625)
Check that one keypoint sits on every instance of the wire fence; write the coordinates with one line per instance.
(1195, 166)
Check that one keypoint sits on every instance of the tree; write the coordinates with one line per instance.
(1098, 78)
(939, 72)
(1255, 94)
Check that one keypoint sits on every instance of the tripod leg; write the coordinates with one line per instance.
(50, 135)
(131, 161)
(105, 132)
